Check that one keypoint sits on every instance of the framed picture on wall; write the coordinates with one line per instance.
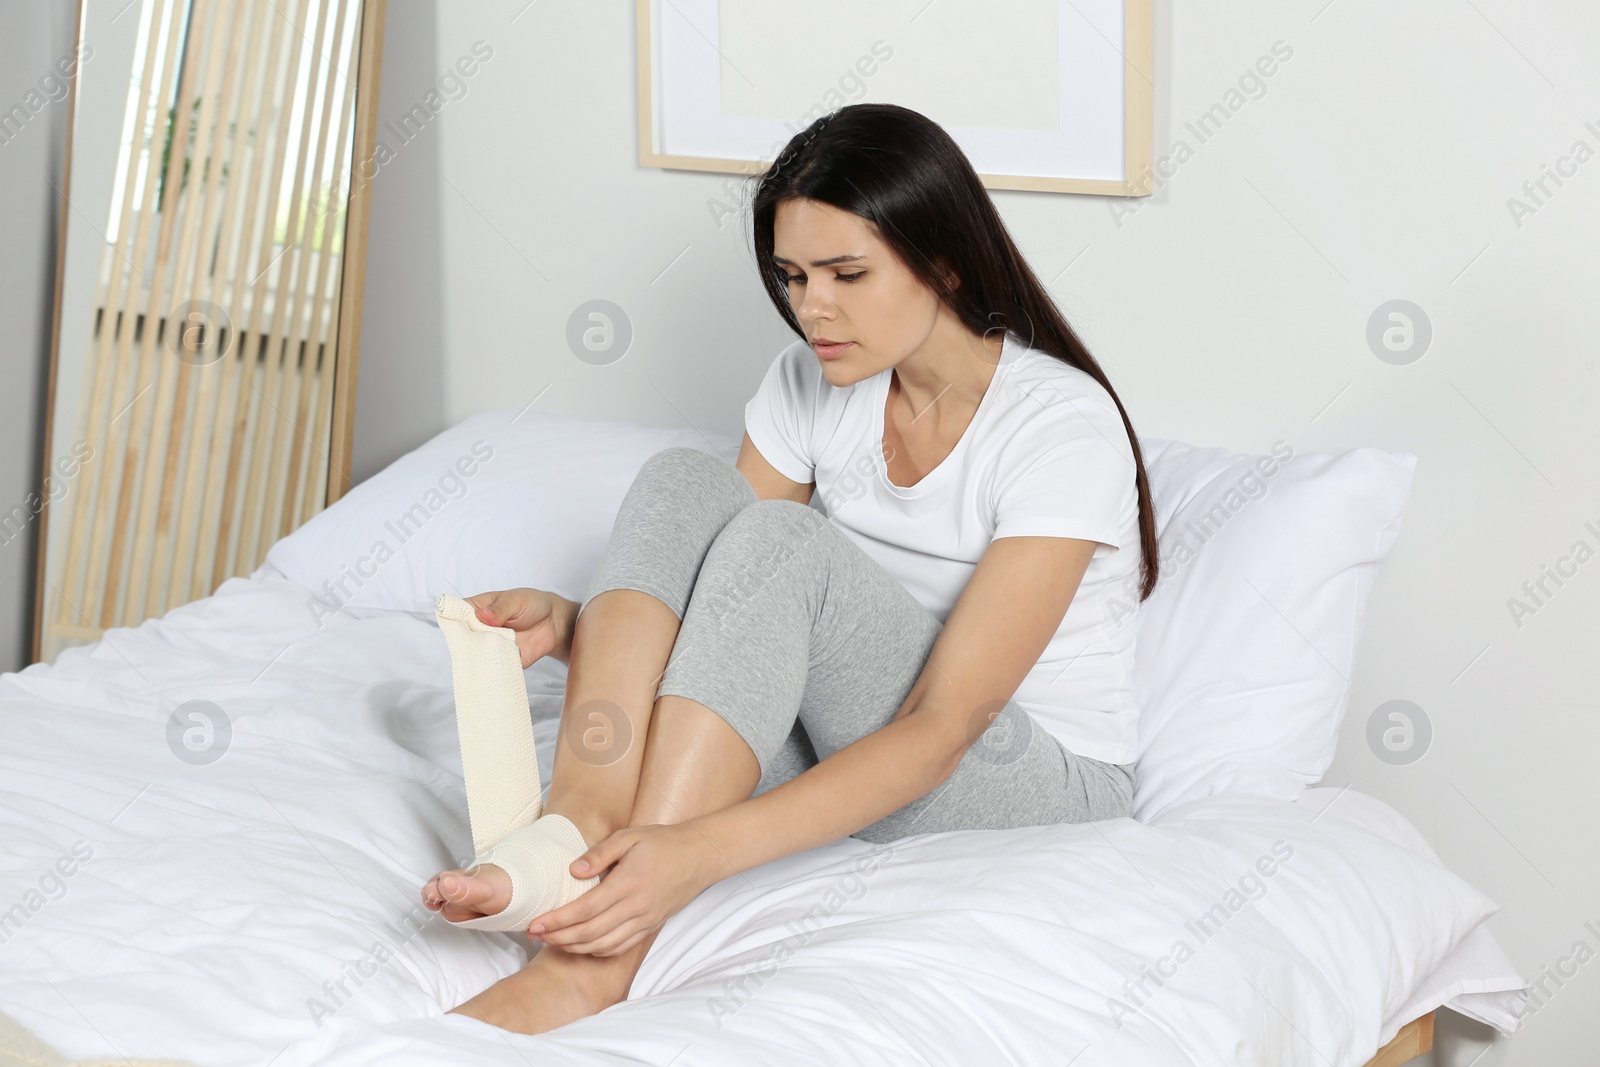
(1043, 95)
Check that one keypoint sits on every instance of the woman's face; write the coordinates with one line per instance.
(846, 285)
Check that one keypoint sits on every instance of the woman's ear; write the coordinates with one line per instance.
(949, 280)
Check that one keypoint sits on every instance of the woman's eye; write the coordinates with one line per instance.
(841, 277)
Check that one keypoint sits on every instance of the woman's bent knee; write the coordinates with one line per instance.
(679, 501)
(769, 523)
(681, 464)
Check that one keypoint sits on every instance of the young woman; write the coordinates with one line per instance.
(945, 646)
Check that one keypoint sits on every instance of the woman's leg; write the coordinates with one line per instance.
(793, 623)
(793, 633)
(627, 625)
(628, 622)
(815, 631)
(792, 636)
(678, 502)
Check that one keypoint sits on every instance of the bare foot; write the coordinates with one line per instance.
(484, 889)
(554, 989)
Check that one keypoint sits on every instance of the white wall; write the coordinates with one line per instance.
(400, 397)
(1230, 310)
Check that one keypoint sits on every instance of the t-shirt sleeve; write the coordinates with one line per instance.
(1068, 472)
(781, 416)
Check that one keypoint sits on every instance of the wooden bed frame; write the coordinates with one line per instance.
(1414, 1038)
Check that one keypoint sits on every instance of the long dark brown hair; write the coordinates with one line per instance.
(902, 172)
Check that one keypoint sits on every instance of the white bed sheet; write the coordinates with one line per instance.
(222, 905)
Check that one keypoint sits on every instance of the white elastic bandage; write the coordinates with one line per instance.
(501, 768)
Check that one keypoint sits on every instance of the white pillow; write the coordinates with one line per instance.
(1245, 648)
(496, 501)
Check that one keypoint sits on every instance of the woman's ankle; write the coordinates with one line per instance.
(604, 979)
(593, 825)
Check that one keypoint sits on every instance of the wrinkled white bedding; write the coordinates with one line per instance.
(264, 907)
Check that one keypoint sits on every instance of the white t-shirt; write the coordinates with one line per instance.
(1046, 455)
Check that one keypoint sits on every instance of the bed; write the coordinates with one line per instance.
(217, 824)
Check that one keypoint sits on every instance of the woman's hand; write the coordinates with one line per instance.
(542, 621)
(658, 870)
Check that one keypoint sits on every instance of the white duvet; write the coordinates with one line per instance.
(263, 906)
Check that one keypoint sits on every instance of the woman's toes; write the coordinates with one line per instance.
(486, 891)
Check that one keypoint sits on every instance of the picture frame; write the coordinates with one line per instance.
(1044, 96)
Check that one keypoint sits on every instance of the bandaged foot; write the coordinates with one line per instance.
(536, 858)
(501, 769)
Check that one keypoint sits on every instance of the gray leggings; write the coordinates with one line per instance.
(804, 644)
